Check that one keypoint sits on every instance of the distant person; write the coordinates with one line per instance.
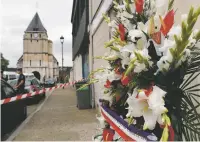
(21, 82)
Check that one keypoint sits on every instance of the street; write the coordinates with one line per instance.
(59, 119)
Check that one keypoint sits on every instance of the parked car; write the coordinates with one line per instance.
(31, 85)
(50, 83)
(10, 75)
(13, 113)
(29, 75)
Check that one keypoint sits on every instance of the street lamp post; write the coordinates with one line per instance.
(62, 41)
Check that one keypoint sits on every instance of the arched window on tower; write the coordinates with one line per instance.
(40, 62)
(30, 62)
(31, 35)
(40, 36)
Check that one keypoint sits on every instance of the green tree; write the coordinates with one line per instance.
(4, 62)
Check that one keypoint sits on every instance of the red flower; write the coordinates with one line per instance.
(156, 37)
(117, 71)
(108, 134)
(139, 6)
(171, 133)
(125, 80)
(148, 91)
(108, 84)
(167, 22)
(122, 32)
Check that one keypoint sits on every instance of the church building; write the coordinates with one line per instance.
(37, 55)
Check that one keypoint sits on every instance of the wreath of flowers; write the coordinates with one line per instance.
(152, 66)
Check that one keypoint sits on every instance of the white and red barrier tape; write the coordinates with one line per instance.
(23, 96)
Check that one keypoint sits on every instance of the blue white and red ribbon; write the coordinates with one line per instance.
(127, 132)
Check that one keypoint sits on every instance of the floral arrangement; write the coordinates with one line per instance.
(152, 66)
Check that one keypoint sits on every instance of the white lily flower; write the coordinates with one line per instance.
(144, 53)
(107, 74)
(136, 108)
(125, 61)
(156, 108)
(167, 45)
(125, 54)
(142, 95)
(132, 56)
(139, 67)
(175, 30)
(156, 102)
(150, 119)
(107, 97)
(128, 48)
(151, 107)
(139, 38)
(143, 27)
(164, 62)
(162, 7)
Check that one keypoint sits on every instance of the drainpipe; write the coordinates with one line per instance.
(91, 61)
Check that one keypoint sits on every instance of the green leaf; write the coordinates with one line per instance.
(189, 80)
(190, 15)
(197, 85)
(194, 90)
(197, 36)
(128, 6)
(170, 5)
(194, 94)
(106, 18)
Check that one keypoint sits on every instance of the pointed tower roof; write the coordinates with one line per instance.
(36, 25)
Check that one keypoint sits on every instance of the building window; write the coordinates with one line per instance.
(30, 62)
(31, 40)
(40, 36)
(37, 40)
(31, 35)
(40, 62)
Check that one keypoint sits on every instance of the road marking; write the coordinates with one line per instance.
(23, 124)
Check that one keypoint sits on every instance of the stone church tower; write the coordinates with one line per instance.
(37, 51)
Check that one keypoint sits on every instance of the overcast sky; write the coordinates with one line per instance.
(55, 16)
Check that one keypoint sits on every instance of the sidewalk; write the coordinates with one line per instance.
(60, 120)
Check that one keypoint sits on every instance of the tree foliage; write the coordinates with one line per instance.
(4, 62)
